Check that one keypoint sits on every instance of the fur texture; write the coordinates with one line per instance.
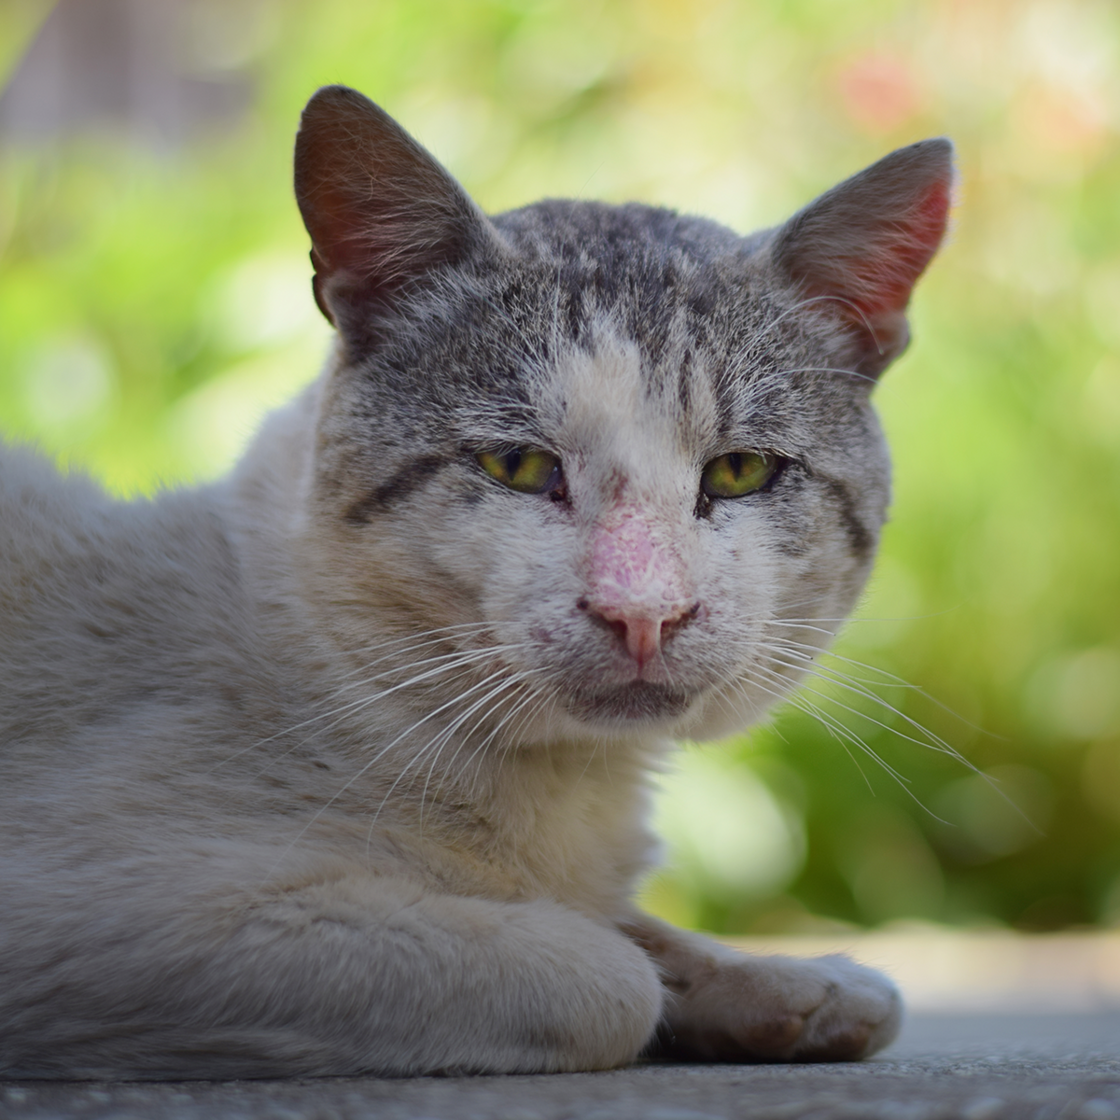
(339, 765)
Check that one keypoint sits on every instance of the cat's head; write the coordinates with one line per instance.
(616, 467)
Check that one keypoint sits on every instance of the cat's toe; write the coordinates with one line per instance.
(860, 1014)
(738, 1008)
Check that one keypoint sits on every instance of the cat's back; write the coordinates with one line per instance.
(107, 606)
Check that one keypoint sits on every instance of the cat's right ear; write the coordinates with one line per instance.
(381, 211)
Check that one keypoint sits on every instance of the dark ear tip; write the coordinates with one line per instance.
(333, 102)
(935, 145)
(932, 157)
(336, 93)
(938, 149)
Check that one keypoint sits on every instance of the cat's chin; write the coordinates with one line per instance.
(639, 702)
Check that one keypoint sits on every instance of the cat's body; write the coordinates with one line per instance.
(340, 765)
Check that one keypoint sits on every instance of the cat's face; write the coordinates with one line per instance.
(618, 464)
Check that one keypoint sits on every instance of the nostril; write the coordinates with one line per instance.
(641, 632)
(610, 620)
(619, 626)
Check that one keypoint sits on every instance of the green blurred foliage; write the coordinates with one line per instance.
(154, 302)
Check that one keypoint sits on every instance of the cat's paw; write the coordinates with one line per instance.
(734, 1007)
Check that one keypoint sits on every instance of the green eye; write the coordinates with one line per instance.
(737, 473)
(523, 469)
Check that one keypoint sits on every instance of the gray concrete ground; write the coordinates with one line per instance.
(971, 1066)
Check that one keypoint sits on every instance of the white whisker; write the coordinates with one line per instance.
(364, 769)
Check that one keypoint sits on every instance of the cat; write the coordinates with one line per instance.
(340, 765)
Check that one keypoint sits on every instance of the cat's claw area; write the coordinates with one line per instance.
(726, 1006)
(828, 1009)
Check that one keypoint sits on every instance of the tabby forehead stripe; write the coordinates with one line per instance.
(397, 488)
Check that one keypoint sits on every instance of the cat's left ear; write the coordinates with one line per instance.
(860, 247)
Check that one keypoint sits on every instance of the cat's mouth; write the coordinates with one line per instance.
(629, 703)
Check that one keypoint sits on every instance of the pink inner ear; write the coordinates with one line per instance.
(336, 238)
(933, 213)
(895, 265)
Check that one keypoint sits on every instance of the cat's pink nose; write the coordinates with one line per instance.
(637, 582)
(643, 634)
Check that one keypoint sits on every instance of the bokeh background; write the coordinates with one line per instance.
(154, 302)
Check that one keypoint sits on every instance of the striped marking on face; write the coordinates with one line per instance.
(396, 489)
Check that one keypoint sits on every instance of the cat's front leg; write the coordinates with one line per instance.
(727, 1006)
